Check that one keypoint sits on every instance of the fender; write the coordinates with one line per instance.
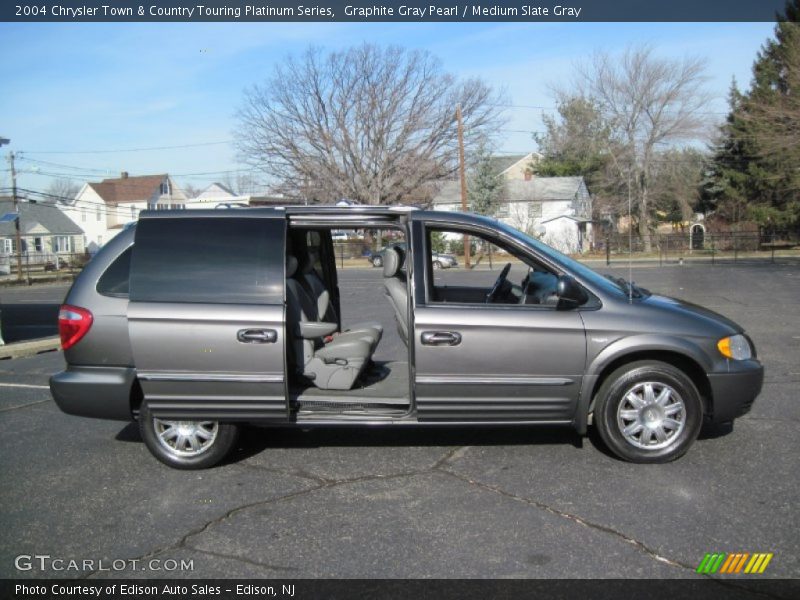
(628, 346)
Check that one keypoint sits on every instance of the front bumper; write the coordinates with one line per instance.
(734, 391)
(101, 392)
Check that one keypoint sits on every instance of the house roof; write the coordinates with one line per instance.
(543, 189)
(538, 189)
(46, 215)
(128, 189)
(503, 163)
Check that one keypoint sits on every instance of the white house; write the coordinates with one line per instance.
(102, 209)
(45, 232)
(557, 210)
(214, 195)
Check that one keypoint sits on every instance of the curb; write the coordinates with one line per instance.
(29, 348)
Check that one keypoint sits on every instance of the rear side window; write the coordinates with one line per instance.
(208, 260)
(114, 282)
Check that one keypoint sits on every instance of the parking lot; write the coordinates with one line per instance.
(491, 502)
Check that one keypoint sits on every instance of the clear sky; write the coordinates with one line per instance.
(75, 88)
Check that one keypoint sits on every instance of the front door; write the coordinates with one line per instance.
(206, 315)
(486, 353)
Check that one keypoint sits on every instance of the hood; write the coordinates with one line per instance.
(690, 309)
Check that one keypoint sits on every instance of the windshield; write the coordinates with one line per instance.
(568, 264)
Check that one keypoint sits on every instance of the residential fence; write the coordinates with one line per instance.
(35, 266)
(700, 246)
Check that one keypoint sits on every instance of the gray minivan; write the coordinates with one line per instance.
(195, 322)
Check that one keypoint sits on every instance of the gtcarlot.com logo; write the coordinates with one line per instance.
(733, 563)
(45, 562)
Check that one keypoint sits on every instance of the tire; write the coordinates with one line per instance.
(377, 261)
(648, 412)
(437, 265)
(223, 438)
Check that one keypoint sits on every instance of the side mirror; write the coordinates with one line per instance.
(570, 293)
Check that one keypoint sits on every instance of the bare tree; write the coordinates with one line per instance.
(649, 104)
(243, 184)
(370, 124)
(62, 190)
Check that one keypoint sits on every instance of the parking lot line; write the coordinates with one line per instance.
(25, 385)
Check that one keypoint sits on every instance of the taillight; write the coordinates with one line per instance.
(74, 322)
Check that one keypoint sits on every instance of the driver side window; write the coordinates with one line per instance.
(496, 274)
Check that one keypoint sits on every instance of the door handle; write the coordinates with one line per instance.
(441, 338)
(257, 336)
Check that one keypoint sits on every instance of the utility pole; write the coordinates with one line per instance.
(463, 174)
(16, 210)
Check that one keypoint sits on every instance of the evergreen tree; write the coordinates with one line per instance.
(486, 186)
(754, 173)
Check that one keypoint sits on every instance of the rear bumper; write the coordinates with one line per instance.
(101, 392)
(733, 392)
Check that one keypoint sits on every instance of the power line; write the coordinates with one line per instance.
(121, 150)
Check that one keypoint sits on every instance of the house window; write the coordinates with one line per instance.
(37, 244)
(502, 211)
(9, 246)
(99, 214)
(165, 188)
(63, 243)
(133, 212)
(535, 210)
(83, 215)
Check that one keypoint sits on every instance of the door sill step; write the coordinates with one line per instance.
(326, 407)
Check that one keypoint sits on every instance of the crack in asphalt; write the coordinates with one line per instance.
(573, 518)
(24, 405)
(437, 467)
(328, 484)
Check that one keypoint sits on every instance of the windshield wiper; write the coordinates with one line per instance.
(628, 287)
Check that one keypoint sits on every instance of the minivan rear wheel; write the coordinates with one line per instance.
(648, 412)
(186, 444)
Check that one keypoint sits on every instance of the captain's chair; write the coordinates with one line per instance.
(332, 366)
(396, 289)
(370, 330)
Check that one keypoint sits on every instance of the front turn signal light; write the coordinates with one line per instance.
(736, 347)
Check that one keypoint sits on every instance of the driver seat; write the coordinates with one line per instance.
(396, 290)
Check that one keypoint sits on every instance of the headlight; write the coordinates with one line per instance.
(736, 347)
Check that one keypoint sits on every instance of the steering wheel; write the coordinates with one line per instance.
(498, 284)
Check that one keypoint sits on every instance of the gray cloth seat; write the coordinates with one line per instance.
(372, 331)
(330, 366)
(396, 289)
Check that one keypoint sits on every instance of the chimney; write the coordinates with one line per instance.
(123, 175)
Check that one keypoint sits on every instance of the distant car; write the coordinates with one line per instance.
(339, 236)
(223, 205)
(439, 261)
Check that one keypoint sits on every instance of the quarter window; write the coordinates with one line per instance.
(114, 282)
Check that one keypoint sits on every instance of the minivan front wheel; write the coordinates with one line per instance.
(186, 444)
(648, 412)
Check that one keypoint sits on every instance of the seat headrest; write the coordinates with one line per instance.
(309, 262)
(392, 261)
(291, 265)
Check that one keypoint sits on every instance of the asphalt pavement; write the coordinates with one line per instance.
(474, 503)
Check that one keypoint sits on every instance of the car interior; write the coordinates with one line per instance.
(480, 285)
(338, 364)
(342, 365)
